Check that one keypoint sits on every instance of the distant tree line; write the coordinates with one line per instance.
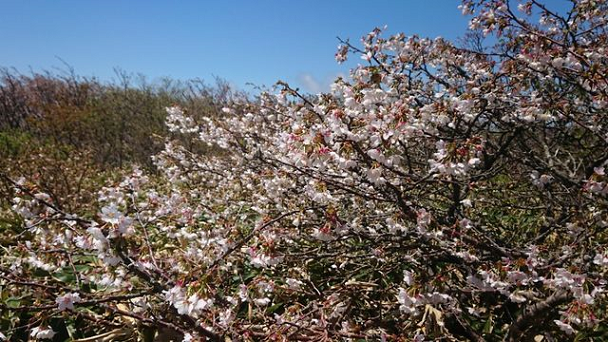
(118, 122)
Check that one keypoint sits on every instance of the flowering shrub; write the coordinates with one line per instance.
(438, 193)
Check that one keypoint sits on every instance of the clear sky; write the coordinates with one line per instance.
(258, 41)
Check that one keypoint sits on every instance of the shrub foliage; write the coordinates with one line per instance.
(439, 193)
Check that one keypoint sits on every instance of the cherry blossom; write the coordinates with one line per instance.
(438, 192)
(42, 333)
(66, 302)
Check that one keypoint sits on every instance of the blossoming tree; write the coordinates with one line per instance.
(437, 193)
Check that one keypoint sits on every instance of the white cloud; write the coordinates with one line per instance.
(312, 84)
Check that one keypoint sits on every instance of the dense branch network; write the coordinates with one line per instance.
(439, 192)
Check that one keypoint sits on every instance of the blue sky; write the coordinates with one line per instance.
(257, 41)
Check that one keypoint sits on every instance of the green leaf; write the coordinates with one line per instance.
(274, 307)
(489, 326)
(13, 302)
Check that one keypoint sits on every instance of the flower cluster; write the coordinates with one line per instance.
(439, 192)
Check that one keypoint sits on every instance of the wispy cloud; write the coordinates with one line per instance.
(312, 84)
